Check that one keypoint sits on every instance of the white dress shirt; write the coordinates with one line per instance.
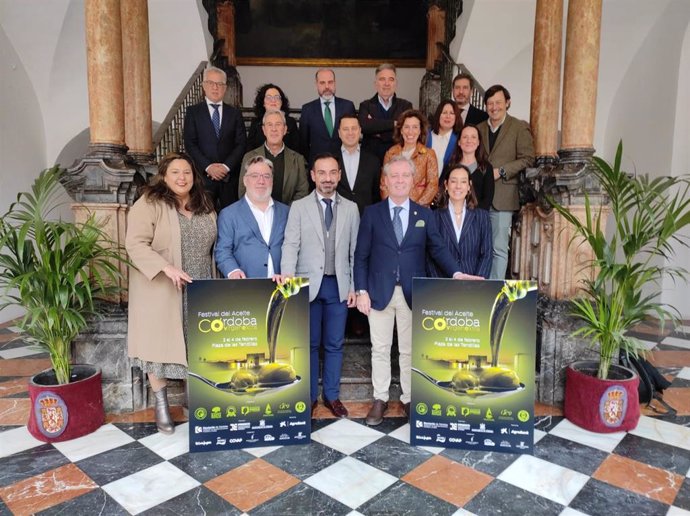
(265, 221)
(351, 164)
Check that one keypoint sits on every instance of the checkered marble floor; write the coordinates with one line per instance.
(127, 467)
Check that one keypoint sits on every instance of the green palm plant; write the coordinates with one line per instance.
(647, 216)
(54, 270)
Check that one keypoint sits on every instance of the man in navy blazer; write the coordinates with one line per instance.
(318, 128)
(214, 137)
(394, 237)
(250, 231)
(463, 86)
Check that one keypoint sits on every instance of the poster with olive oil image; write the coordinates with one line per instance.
(473, 364)
(248, 353)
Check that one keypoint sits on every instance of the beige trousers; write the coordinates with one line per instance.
(381, 330)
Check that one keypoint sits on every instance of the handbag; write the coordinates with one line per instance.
(652, 382)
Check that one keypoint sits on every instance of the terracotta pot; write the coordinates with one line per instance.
(68, 411)
(610, 405)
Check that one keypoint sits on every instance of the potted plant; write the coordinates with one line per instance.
(629, 266)
(55, 270)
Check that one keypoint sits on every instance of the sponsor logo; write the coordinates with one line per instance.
(440, 438)
(519, 432)
(203, 443)
(504, 431)
(522, 445)
(198, 430)
(300, 435)
(471, 442)
(234, 427)
(268, 411)
(424, 437)
(450, 323)
(297, 423)
(200, 413)
(436, 409)
(506, 413)
(489, 442)
(216, 413)
(489, 415)
(245, 410)
(269, 437)
(482, 429)
(450, 411)
(283, 424)
(523, 416)
(235, 440)
(231, 411)
(262, 425)
(284, 406)
(284, 437)
(454, 440)
(421, 408)
(300, 407)
(468, 411)
(504, 444)
(220, 441)
(227, 324)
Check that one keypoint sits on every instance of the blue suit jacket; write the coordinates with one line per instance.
(314, 138)
(452, 143)
(378, 255)
(474, 251)
(240, 244)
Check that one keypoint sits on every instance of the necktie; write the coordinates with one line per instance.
(397, 224)
(328, 117)
(328, 219)
(216, 119)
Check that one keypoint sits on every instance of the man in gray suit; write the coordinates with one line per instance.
(289, 168)
(250, 231)
(320, 239)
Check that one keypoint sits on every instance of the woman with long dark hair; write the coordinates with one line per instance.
(171, 230)
(270, 97)
(443, 135)
(465, 228)
(470, 152)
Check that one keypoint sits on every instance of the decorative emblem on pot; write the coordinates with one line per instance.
(613, 405)
(51, 414)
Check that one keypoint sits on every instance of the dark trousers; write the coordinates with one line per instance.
(327, 318)
(222, 193)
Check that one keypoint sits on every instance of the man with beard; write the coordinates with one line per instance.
(463, 86)
(320, 239)
(320, 118)
(250, 231)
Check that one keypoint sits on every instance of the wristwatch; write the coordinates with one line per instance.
(361, 292)
(502, 173)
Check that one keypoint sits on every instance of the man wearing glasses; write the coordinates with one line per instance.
(250, 231)
(215, 139)
(289, 168)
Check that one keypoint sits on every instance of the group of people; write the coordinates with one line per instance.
(358, 224)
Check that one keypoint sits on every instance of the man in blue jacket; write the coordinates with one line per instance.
(250, 231)
(394, 237)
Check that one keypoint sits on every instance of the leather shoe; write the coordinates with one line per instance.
(375, 415)
(336, 407)
(406, 408)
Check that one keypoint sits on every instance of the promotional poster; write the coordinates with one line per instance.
(248, 363)
(473, 364)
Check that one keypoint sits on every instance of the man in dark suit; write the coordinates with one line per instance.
(511, 149)
(289, 168)
(359, 180)
(394, 237)
(318, 123)
(214, 137)
(378, 115)
(463, 86)
(250, 231)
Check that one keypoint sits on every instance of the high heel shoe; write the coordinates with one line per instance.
(164, 422)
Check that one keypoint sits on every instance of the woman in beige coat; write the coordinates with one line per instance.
(410, 138)
(171, 230)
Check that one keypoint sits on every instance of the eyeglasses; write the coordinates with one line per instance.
(265, 177)
(216, 84)
(276, 125)
(273, 97)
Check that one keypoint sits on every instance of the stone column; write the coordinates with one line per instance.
(104, 74)
(137, 86)
(546, 79)
(581, 72)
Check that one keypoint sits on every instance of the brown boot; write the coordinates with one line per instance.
(375, 415)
